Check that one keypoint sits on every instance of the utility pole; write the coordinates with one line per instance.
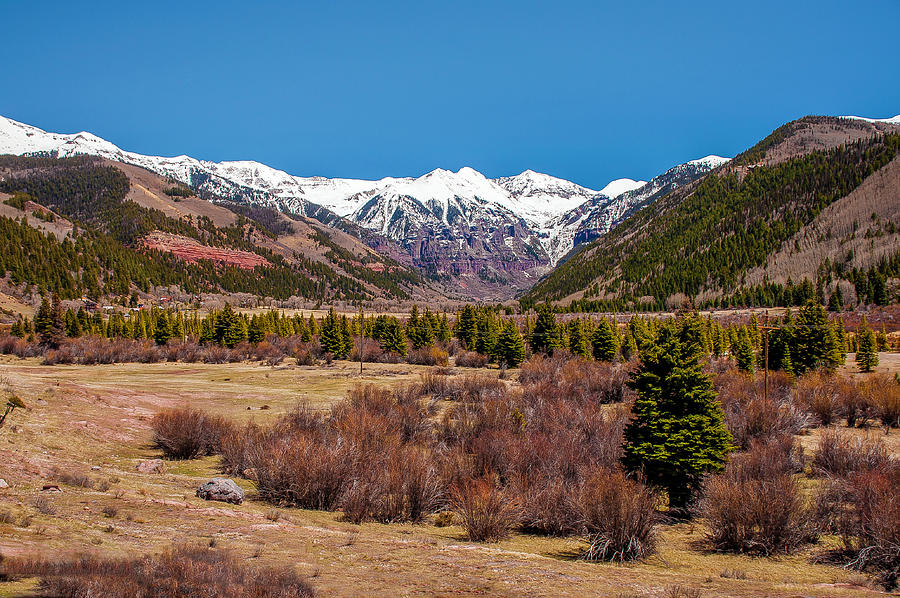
(766, 328)
(362, 336)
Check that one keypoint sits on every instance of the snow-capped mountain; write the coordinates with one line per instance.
(506, 230)
(895, 120)
(598, 215)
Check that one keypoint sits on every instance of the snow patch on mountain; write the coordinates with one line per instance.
(895, 120)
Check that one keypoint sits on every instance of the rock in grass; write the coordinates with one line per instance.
(152, 466)
(221, 489)
(3, 483)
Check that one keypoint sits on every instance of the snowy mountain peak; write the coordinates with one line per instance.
(895, 120)
(619, 186)
(712, 161)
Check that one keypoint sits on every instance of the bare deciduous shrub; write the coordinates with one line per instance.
(300, 470)
(74, 479)
(882, 393)
(620, 517)
(750, 416)
(487, 512)
(840, 455)
(110, 511)
(470, 359)
(371, 352)
(822, 394)
(43, 505)
(7, 517)
(868, 521)
(756, 506)
(187, 433)
(577, 379)
(396, 483)
(429, 356)
(180, 573)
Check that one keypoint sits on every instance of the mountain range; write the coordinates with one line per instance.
(480, 237)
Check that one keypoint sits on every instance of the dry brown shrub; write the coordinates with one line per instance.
(488, 513)
(840, 455)
(396, 483)
(428, 356)
(184, 572)
(822, 394)
(620, 517)
(187, 433)
(302, 470)
(573, 378)
(750, 416)
(883, 394)
(864, 509)
(756, 506)
(470, 359)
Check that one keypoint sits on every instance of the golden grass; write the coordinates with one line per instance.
(84, 416)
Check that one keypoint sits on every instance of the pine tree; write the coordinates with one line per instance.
(389, 334)
(545, 336)
(743, 352)
(836, 301)
(43, 319)
(815, 345)
(163, 331)
(330, 337)
(466, 327)
(236, 331)
(866, 353)
(677, 433)
(882, 341)
(605, 342)
(510, 345)
(256, 333)
(578, 341)
(50, 322)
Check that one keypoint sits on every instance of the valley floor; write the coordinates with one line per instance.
(96, 421)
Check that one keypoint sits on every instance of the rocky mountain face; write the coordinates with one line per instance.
(485, 238)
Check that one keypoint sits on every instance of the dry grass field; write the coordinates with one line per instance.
(94, 422)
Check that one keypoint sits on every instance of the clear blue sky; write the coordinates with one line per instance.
(589, 91)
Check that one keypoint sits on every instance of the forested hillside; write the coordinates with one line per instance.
(104, 252)
(700, 241)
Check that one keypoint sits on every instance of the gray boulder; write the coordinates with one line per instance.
(221, 489)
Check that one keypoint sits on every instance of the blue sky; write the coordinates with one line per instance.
(588, 91)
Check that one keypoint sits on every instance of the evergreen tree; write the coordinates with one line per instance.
(743, 352)
(629, 347)
(866, 353)
(73, 324)
(302, 329)
(545, 336)
(815, 344)
(43, 319)
(605, 342)
(486, 333)
(256, 333)
(578, 340)
(389, 334)
(208, 329)
(346, 338)
(510, 345)
(466, 327)
(836, 301)
(163, 331)
(882, 340)
(50, 322)
(331, 338)
(236, 331)
(18, 329)
(677, 433)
